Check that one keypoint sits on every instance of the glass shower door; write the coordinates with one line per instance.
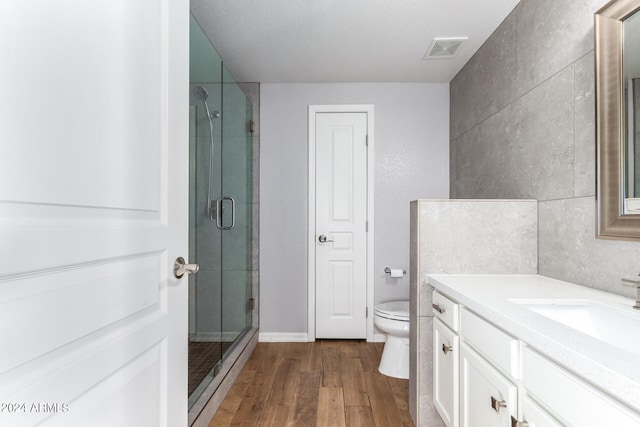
(237, 181)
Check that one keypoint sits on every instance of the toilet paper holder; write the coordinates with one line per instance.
(387, 271)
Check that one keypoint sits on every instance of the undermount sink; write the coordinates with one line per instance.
(609, 324)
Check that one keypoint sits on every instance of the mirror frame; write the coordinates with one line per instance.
(612, 223)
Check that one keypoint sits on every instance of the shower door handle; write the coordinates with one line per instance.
(219, 219)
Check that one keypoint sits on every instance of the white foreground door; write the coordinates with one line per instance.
(93, 212)
(341, 214)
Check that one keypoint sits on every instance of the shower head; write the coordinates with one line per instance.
(200, 93)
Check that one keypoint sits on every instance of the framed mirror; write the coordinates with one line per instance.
(617, 56)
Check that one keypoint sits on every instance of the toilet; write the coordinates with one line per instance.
(392, 318)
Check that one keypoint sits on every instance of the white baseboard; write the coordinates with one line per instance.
(283, 337)
(300, 337)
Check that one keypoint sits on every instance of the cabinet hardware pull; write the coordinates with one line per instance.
(446, 348)
(439, 309)
(497, 404)
(516, 423)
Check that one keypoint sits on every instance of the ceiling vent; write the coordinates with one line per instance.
(444, 48)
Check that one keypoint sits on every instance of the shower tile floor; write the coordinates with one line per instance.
(203, 356)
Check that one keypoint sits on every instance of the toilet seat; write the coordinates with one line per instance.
(394, 310)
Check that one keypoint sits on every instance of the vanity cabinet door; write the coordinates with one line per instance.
(487, 398)
(445, 373)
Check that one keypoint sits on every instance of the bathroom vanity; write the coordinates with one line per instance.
(527, 350)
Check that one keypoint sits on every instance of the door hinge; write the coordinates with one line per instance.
(366, 226)
(252, 126)
(252, 304)
(366, 312)
(366, 140)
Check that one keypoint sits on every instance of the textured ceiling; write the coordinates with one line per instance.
(291, 41)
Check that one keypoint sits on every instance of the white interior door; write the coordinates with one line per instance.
(340, 232)
(93, 212)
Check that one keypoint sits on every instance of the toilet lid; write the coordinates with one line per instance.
(396, 310)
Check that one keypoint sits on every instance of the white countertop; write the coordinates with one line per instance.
(612, 369)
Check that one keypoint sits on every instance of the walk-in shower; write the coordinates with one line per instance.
(222, 212)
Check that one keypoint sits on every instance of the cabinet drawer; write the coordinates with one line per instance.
(497, 346)
(446, 310)
(550, 385)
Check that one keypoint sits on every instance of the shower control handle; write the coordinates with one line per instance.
(180, 268)
(323, 239)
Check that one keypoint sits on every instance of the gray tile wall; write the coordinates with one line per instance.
(523, 126)
(475, 236)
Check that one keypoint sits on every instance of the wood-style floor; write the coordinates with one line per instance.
(325, 383)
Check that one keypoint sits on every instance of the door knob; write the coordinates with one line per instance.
(323, 239)
(180, 268)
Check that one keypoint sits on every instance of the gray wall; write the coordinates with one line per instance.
(411, 161)
(523, 126)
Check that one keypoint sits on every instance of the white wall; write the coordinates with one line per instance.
(411, 162)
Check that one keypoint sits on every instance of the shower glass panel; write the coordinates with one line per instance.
(220, 212)
(236, 184)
